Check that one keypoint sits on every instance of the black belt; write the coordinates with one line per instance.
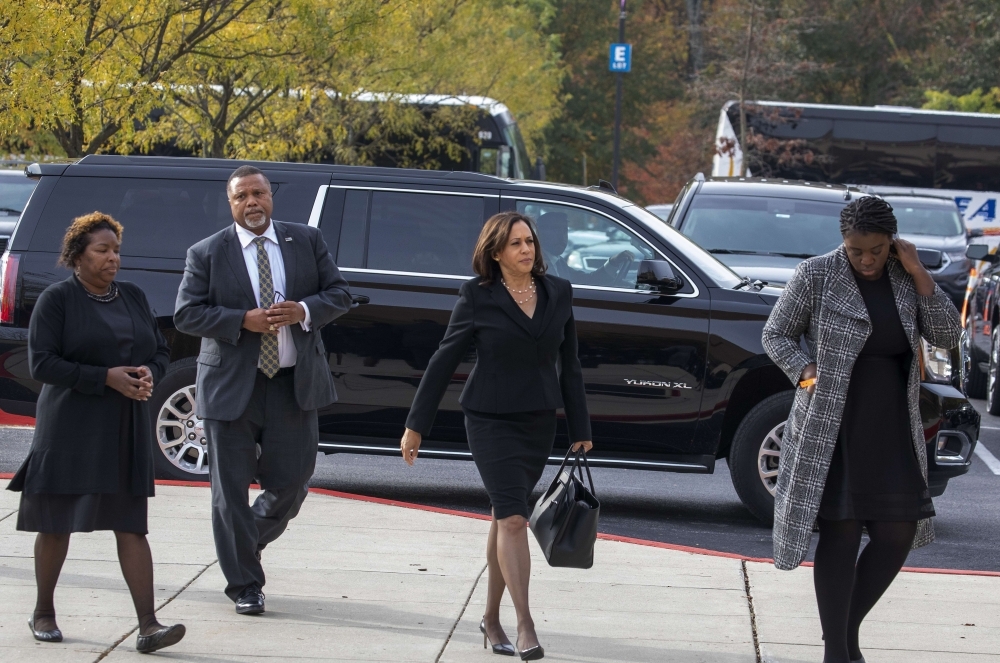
(282, 372)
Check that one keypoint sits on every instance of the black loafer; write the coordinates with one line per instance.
(55, 635)
(250, 602)
(160, 638)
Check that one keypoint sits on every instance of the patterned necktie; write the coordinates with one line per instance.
(268, 342)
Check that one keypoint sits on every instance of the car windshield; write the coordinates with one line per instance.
(916, 219)
(707, 263)
(14, 193)
(757, 225)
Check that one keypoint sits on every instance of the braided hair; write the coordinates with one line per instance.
(868, 214)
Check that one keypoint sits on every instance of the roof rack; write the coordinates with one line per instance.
(232, 164)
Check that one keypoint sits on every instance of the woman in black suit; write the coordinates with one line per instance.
(521, 323)
(94, 344)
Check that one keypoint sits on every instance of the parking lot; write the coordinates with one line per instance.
(696, 510)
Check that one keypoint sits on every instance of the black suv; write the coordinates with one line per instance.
(669, 337)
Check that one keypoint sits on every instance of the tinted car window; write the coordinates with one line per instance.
(162, 218)
(353, 229)
(927, 220)
(760, 225)
(423, 232)
(578, 244)
(15, 189)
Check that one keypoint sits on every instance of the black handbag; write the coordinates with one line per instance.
(564, 519)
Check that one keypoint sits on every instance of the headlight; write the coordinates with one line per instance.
(956, 256)
(937, 363)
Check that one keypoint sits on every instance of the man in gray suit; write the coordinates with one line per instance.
(258, 293)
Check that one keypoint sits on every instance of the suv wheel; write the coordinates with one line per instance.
(975, 378)
(992, 383)
(180, 448)
(756, 451)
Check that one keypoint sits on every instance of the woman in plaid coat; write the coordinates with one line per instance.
(853, 452)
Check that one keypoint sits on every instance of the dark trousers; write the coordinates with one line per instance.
(288, 439)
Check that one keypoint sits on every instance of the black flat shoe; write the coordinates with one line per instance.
(505, 649)
(532, 653)
(858, 660)
(55, 635)
(250, 602)
(160, 638)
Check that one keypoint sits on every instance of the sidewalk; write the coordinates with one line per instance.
(355, 580)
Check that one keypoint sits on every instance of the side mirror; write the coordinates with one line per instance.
(930, 258)
(981, 252)
(659, 275)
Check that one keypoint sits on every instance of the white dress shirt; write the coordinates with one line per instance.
(286, 346)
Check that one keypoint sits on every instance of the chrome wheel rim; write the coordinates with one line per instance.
(965, 347)
(180, 433)
(769, 456)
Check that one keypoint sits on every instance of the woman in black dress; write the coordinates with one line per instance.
(94, 344)
(520, 322)
(855, 421)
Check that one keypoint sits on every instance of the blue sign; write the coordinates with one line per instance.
(620, 58)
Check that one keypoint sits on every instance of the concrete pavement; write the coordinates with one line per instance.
(362, 581)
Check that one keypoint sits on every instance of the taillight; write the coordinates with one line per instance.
(8, 286)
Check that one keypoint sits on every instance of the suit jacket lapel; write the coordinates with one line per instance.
(288, 256)
(550, 304)
(234, 253)
(843, 294)
(510, 307)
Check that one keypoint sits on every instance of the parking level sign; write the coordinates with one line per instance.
(620, 58)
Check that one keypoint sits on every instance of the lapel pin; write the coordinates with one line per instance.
(288, 239)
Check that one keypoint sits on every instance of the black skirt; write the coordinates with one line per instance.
(874, 474)
(510, 451)
(51, 513)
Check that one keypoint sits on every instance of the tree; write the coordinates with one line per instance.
(585, 29)
(297, 80)
(87, 70)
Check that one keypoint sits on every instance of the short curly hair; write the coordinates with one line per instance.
(77, 237)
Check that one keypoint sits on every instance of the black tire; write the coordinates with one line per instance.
(755, 447)
(175, 454)
(975, 378)
(993, 378)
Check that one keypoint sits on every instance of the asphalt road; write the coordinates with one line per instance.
(695, 510)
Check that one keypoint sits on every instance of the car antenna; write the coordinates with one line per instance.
(604, 184)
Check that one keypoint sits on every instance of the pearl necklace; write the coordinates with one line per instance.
(530, 289)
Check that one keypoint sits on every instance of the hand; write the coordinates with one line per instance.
(256, 321)
(587, 446)
(809, 372)
(410, 445)
(907, 254)
(285, 313)
(120, 379)
(619, 262)
(146, 377)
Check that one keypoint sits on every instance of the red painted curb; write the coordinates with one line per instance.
(8, 419)
(604, 537)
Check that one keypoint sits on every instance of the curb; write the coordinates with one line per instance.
(604, 537)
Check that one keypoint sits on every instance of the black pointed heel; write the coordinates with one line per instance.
(858, 660)
(532, 653)
(164, 636)
(55, 635)
(502, 649)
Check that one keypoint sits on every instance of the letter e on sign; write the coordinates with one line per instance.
(620, 58)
